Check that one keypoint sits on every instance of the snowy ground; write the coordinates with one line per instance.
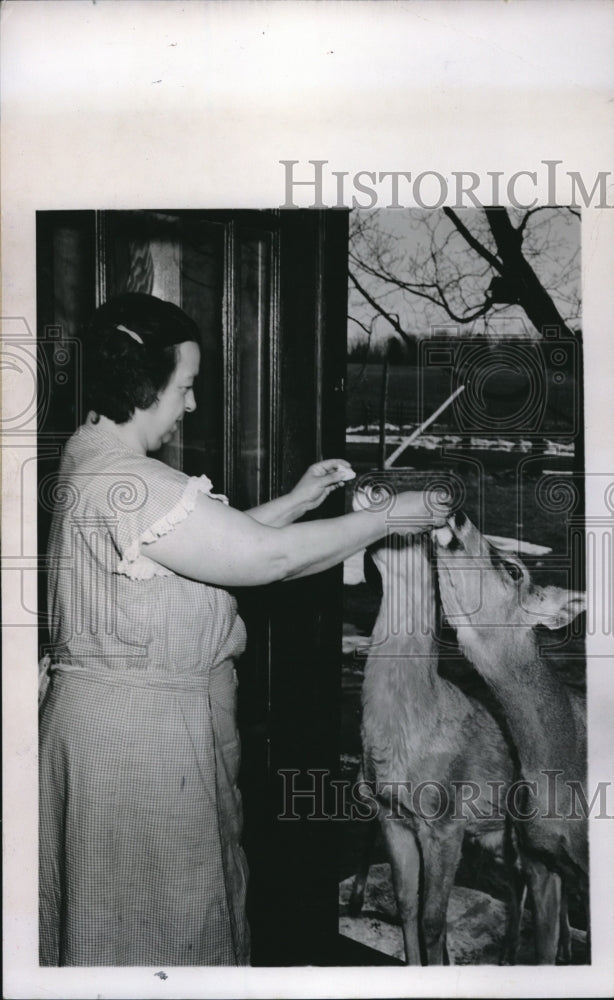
(430, 442)
(476, 924)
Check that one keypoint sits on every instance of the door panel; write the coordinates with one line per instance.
(255, 343)
(294, 866)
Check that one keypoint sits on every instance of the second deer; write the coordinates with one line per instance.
(489, 598)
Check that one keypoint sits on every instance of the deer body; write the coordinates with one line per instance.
(494, 611)
(545, 723)
(423, 739)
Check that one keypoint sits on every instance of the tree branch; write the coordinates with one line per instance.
(471, 240)
(418, 290)
(363, 326)
(531, 211)
(394, 322)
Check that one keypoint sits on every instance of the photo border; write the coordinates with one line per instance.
(194, 105)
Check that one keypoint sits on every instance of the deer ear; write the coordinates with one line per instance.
(558, 607)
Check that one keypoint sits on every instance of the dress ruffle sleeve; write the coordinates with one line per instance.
(149, 499)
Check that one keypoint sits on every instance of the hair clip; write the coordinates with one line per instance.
(131, 333)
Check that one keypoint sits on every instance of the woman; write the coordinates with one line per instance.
(140, 856)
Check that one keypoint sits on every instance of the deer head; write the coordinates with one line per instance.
(482, 585)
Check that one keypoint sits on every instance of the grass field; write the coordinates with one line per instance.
(497, 399)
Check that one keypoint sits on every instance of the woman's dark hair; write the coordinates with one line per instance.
(130, 353)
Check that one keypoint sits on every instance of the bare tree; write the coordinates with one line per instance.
(466, 269)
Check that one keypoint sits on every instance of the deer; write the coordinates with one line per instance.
(488, 597)
(420, 730)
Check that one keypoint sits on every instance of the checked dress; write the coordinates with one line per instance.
(140, 815)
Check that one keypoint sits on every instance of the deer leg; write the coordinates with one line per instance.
(516, 894)
(361, 876)
(545, 896)
(441, 849)
(587, 911)
(563, 954)
(515, 901)
(405, 864)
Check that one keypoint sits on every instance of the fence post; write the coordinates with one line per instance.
(383, 403)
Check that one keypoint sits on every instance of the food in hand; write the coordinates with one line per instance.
(346, 474)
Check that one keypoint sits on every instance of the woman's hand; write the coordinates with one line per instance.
(320, 480)
(424, 509)
(312, 488)
(412, 510)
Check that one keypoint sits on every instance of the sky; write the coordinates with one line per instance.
(551, 243)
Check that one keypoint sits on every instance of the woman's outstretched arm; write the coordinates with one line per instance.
(219, 545)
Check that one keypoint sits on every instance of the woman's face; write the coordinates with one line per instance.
(161, 420)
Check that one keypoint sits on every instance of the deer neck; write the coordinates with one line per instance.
(534, 701)
(406, 620)
(403, 656)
